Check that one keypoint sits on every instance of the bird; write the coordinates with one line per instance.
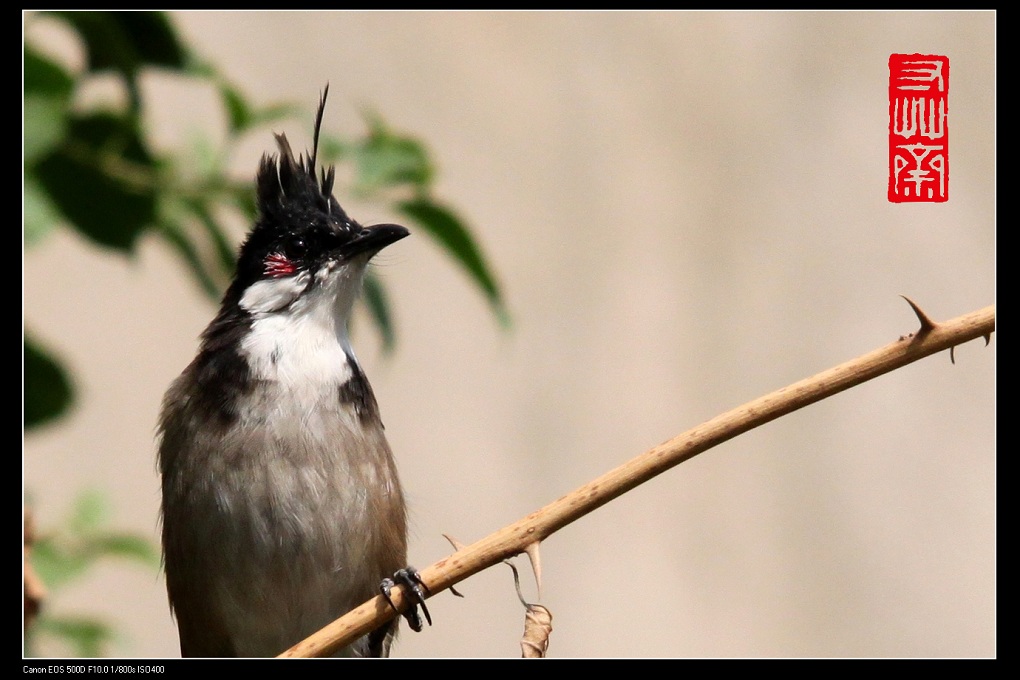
(282, 508)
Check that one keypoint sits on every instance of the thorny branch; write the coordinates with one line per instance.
(516, 538)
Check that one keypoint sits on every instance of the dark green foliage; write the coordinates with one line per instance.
(97, 173)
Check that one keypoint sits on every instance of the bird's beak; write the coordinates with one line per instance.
(375, 238)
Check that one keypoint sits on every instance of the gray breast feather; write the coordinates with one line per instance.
(266, 508)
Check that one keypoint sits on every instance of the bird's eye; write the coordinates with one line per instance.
(296, 247)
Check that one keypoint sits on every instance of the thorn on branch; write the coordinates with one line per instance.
(457, 545)
(536, 569)
(536, 565)
(927, 324)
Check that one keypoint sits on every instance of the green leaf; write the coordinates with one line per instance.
(177, 236)
(447, 228)
(48, 391)
(45, 125)
(47, 95)
(41, 216)
(103, 208)
(101, 179)
(90, 512)
(127, 41)
(379, 310)
(241, 115)
(175, 214)
(333, 148)
(242, 197)
(226, 252)
(127, 546)
(44, 76)
(238, 111)
(111, 137)
(153, 37)
(386, 159)
(273, 113)
(67, 555)
(56, 563)
(85, 636)
(201, 165)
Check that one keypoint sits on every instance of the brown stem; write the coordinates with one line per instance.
(515, 538)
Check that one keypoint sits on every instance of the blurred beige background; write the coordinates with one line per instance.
(685, 210)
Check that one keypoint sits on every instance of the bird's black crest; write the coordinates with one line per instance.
(288, 189)
(294, 208)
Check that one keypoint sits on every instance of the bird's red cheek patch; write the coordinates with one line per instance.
(277, 265)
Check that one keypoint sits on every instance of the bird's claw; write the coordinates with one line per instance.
(416, 588)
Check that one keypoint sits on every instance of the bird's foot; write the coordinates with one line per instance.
(416, 590)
